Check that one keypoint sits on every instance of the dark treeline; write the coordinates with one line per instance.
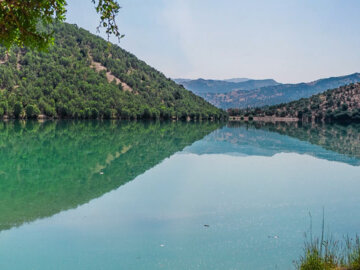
(83, 76)
(340, 105)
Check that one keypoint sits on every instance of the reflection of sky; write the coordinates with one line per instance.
(243, 199)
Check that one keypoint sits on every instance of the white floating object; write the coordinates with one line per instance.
(162, 245)
(274, 236)
(101, 173)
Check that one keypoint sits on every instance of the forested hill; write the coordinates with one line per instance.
(340, 105)
(83, 76)
(272, 95)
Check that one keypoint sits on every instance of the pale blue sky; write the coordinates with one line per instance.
(288, 40)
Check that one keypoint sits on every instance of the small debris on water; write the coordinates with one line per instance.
(273, 236)
(162, 245)
(206, 225)
(101, 173)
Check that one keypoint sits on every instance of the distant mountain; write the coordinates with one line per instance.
(84, 76)
(237, 80)
(234, 80)
(340, 105)
(180, 80)
(202, 86)
(280, 93)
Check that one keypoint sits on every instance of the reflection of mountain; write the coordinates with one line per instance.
(50, 167)
(330, 142)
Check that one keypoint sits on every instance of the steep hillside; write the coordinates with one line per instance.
(282, 93)
(341, 105)
(83, 76)
(202, 87)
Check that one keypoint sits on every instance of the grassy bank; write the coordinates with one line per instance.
(330, 254)
(326, 253)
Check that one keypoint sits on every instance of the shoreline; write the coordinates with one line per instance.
(263, 119)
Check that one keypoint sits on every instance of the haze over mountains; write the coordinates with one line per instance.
(258, 93)
(202, 86)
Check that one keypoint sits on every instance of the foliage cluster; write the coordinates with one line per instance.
(26, 23)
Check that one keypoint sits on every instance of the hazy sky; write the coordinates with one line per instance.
(288, 40)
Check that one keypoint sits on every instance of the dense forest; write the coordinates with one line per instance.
(84, 76)
(340, 105)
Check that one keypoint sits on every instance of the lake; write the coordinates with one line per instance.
(151, 195)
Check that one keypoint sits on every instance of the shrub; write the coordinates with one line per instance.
(32, 111)
(94, 113)
(18, 108)
(312, 260)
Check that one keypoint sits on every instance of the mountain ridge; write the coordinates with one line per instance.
(203, 86)
(282, 93)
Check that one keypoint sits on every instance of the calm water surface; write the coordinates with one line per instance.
(117, 195)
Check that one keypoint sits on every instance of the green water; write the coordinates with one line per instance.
(127, 195)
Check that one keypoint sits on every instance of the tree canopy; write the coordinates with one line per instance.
(28, 23)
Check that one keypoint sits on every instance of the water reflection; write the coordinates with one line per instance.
(246, 196)
(53, 166)
(330, 142)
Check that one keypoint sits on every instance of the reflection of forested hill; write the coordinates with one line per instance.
(50, 167)
(330, 142)
(338, 138)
